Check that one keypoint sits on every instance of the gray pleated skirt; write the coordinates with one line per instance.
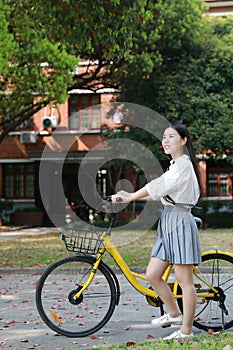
(177, 237)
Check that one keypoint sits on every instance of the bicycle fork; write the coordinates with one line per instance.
(84, 285)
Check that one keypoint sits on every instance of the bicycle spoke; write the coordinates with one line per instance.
(81, 316)
(215, 312)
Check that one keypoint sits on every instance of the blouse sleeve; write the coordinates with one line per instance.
(171, 181)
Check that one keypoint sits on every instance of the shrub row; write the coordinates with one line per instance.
(215, 213)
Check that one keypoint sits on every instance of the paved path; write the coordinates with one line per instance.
(21, 327)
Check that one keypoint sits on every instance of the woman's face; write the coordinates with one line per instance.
(173, 143)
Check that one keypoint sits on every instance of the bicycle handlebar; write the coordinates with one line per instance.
(109, 199)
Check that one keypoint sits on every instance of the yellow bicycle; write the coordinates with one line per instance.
(76, 296)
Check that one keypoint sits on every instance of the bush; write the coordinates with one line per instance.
(29, 210)
(215, 213)
(5, 207)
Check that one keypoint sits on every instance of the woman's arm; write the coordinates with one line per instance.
(147, 198)
(130, 197)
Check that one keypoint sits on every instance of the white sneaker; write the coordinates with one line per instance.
(178, 335)
(166, 320)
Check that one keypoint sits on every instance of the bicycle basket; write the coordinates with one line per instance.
(81, 241)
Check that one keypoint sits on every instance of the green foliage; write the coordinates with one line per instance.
(201, 342)
(215, 213)
(38, 70)
(194, 85)
(52, 38)
(181, 26)
(5, 205)
(29, 210)
(6, 39)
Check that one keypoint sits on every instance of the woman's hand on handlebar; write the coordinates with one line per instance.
(122, 197)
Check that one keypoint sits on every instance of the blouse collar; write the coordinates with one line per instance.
(184, 156)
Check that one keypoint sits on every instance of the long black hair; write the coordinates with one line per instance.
(183, 132)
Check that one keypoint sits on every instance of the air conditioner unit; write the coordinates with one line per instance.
(28, 137)
(50, 122)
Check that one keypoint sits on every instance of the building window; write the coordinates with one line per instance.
(219, 183)
(19, 181)
(84, 111)
(26, 125)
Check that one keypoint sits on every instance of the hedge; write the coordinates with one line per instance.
(215, 213)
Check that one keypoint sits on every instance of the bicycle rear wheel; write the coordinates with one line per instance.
(214, 313)
(85, 315)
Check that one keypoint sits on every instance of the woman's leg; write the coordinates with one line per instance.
(184, 276)
(154, 273)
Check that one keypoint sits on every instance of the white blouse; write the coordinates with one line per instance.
(179, 182)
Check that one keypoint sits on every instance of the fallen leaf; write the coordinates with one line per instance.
(96, 337)
(27, 308)
(150, 336)
(130, 343)
(10, 322)
(4, 345)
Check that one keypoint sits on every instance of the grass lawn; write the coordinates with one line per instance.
(135, 247)
(222, 341)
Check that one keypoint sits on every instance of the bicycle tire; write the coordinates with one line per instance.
(60, 312)
(217, 269)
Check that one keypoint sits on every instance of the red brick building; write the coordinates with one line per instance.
(219, 8)
(20, 153)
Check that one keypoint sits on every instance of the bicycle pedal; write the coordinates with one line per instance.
(166, 325)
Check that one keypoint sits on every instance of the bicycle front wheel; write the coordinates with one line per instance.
(75, 317)
(215, 313)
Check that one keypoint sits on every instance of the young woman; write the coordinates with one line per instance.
(177, 236)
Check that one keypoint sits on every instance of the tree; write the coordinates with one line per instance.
(194, 85)
(46, 40)
(6, 39)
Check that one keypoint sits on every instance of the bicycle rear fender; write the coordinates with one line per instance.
(216, 251)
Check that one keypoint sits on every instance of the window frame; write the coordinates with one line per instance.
(82, 106)
(28, 170)
(218, 171)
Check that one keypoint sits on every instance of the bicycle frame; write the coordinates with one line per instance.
(133, 277)
(212, 280)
